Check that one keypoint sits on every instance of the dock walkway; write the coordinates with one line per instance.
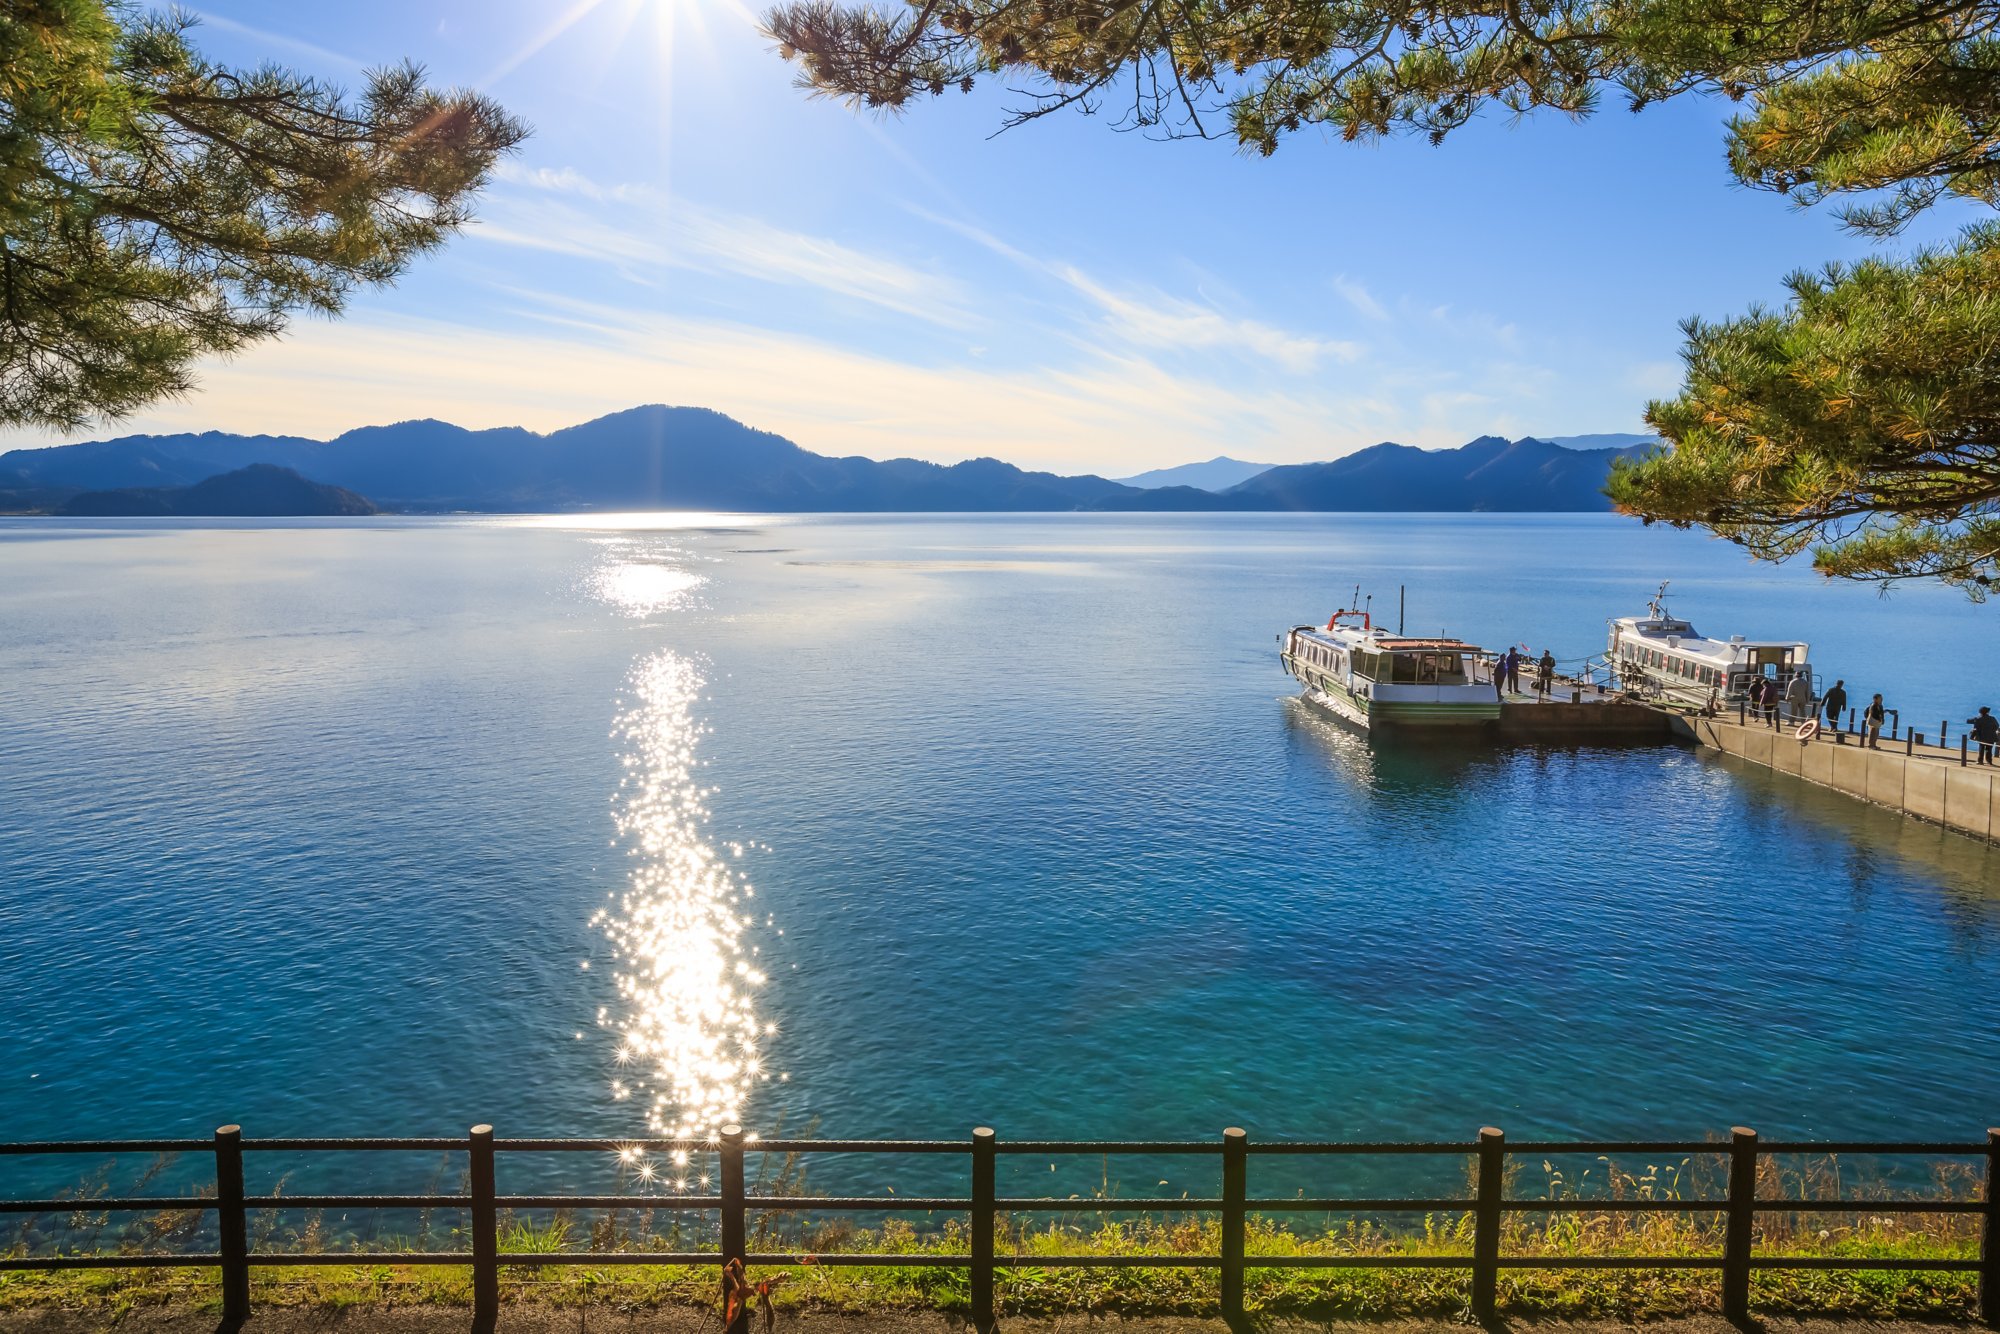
(1928, 782)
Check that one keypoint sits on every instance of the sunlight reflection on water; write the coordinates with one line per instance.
(640, 588)
(686, 975)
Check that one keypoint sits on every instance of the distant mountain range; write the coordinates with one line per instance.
(261, 489)
(1217, 474)
(1490, 473)
(1604, 440)
(692, 458)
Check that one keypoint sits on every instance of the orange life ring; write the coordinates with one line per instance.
(1807, 729)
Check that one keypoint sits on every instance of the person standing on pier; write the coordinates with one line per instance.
(1513, 671)
(1835, 704)
(1871, 722)
(1545, 681)
(1798, 698)
(1985, 731)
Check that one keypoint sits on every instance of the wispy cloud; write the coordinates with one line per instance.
(644, 228)
(564, 180)
(1657, 379)
(1154, 319)
(266, 38)
(1359, 297)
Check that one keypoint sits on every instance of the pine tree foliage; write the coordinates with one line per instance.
(1861, 421)
(156, 207)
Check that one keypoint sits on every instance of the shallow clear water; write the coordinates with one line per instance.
(1008, 821)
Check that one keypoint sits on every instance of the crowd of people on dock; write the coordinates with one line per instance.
(1794, 703)
(1767, 701)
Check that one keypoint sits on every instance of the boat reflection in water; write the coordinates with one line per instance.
(690, 1038)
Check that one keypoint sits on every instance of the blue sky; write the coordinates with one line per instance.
(686, 227)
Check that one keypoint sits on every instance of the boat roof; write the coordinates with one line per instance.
(1693, 641)
(1411, 641)
(1388, 643)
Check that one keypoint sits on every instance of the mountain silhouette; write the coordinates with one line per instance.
(260, 489)
(692, 458)
(1216, 474)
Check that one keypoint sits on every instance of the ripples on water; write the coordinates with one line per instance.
(307, 828)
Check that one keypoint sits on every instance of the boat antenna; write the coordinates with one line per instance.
(1658, 606)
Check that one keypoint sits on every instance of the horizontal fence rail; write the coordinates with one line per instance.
(1487, 1207)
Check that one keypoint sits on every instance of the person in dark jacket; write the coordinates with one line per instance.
(1872, 719)
(1835, 704)
(1546, 680)
(1985, 731)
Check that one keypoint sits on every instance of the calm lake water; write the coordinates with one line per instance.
(896, 826)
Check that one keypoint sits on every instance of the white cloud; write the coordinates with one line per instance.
(1359, 297)
(1157, 320)
(1657, 379)
(643, 229)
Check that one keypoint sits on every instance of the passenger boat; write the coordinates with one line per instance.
(1660, 653)
(1375, 679)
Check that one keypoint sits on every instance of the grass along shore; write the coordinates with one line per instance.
(1050, 1291)
(1597, 1228)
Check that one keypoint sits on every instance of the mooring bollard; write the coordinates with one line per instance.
(232, 1226)
(1910, 740)
(1488, 1184)
(1741, 1219)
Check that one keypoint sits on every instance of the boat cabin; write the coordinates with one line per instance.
(1673, 654)
(1384, 659)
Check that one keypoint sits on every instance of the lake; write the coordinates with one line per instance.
(897, 825)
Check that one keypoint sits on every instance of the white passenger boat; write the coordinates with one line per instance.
(1661, 653)
(1375, 679)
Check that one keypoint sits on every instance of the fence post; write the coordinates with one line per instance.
(485, 1221)
(1742, 710)
(1989, 1235)
(232, 1227)
(733, 1227)
(1235, 1189)
(1741, 1213)
(1961, 751)
(1489, 1190)
(982, 1230)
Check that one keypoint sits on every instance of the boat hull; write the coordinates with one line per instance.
(1397, 707)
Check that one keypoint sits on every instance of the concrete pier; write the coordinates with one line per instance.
(1928, 782)
(1579, 711)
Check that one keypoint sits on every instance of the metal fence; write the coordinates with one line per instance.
(1488, 1206)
